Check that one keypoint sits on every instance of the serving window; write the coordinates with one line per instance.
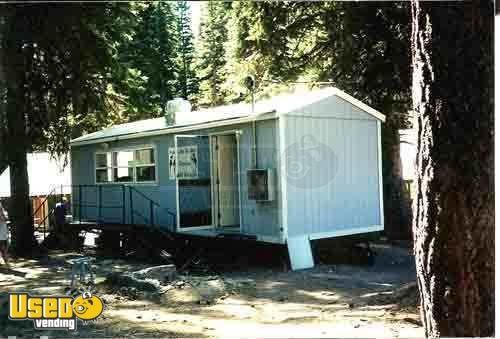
(126, 166)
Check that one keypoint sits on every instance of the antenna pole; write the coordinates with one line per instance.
(253, 98)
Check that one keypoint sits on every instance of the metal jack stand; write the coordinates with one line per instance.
(82, 274)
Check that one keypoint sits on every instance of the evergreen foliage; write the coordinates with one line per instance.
(362, 49)
(139, 55)
(188, 85)
(150, 57)
(51, 86)
(212, 51)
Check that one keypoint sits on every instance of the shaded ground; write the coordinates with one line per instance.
(327, 301)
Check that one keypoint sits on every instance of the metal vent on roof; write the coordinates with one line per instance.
(175, 107)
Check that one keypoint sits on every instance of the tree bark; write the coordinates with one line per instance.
(17, 141)
(452, 50)
(3, 100)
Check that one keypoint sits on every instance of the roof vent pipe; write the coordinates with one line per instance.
(174, 107)
(250, 85)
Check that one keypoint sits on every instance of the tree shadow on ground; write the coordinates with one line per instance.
(325, 289)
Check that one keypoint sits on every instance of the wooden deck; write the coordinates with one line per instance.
(227, 232)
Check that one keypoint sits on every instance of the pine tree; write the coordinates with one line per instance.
(361, 49)
(151, 56)
(454, 225)
(251, 47)
(212, 52)
(51, 84)
(187, 82)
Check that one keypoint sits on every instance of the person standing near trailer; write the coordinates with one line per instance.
(60, 214)
(4, 236)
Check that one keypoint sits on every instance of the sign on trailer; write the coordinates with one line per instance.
(187, 165)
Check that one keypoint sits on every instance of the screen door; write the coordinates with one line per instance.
(190, 166)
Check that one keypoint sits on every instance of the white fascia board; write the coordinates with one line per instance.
(360, 104)
(173, 130)
(380, 178)
(283, 194)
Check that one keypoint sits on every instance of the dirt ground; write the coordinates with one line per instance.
(327, 301)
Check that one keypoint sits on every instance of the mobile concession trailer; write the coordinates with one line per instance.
(293, 168)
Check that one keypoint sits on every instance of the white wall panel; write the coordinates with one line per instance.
(337, 154)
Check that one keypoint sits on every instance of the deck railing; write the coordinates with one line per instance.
(78, 203)
(47, 207)
(135, 197)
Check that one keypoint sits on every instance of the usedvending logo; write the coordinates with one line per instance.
(54, 312)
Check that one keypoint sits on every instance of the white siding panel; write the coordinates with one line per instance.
(298, 209)
(338, 188)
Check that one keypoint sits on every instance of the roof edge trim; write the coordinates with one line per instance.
(209, 124)
(360, 104)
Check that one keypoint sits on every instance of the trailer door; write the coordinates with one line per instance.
(190, 162)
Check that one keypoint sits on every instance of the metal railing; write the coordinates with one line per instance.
(154, 207)
(78, 203)
(45, 203)
(128, 201)
(151, 219)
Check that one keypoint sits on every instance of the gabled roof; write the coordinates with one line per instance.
(223, 115)
(45, 173)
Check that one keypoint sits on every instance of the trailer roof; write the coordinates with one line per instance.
(222, 115)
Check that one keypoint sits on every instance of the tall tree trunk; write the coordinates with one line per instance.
(452, 49)
(20, 212)
(3, 99)
(17, 143)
